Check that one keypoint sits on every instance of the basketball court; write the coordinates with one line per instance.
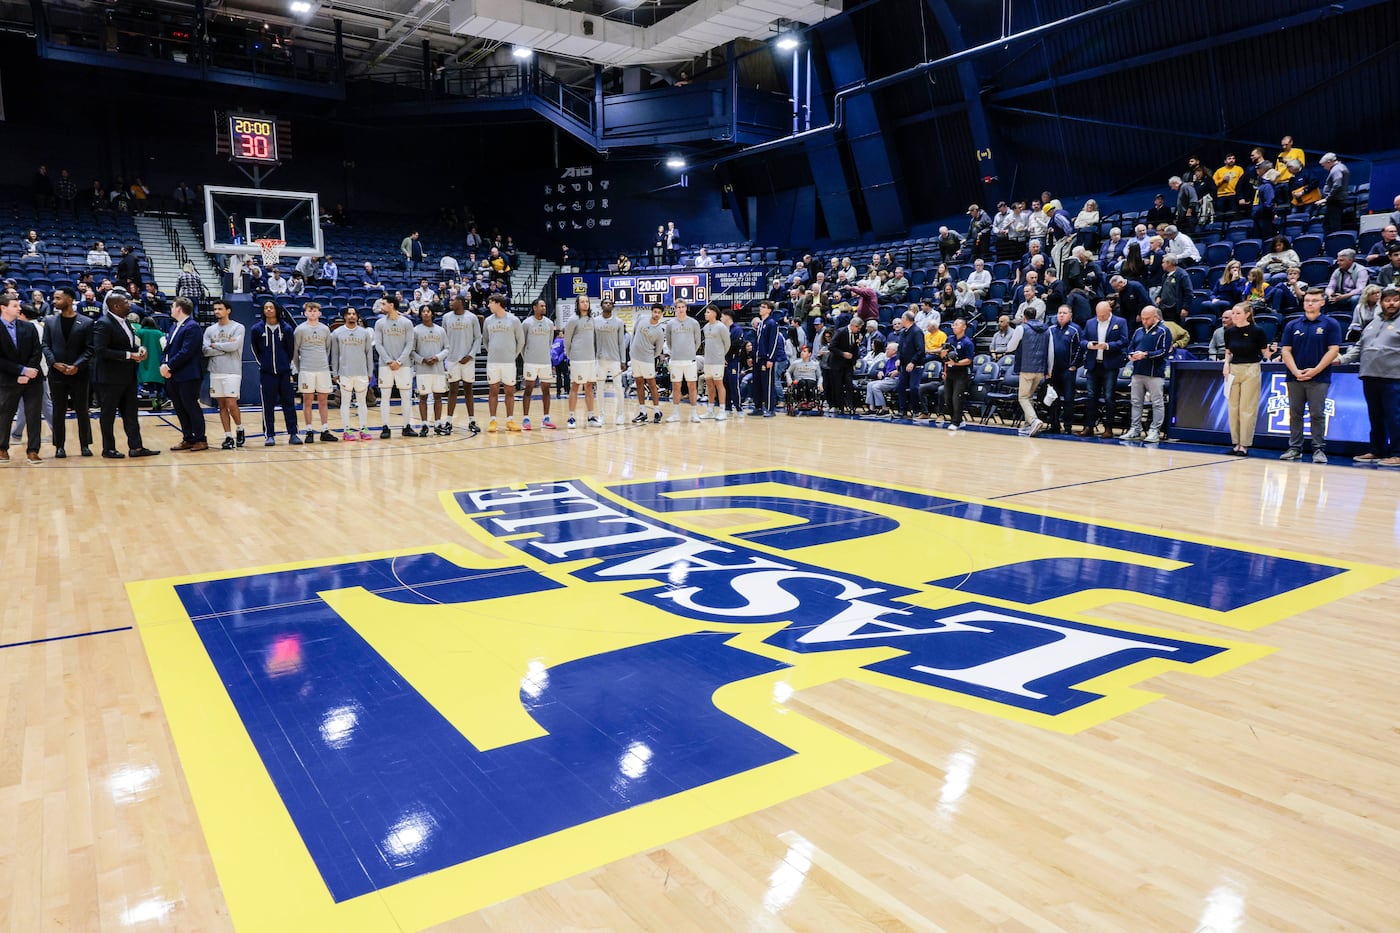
(769, 674)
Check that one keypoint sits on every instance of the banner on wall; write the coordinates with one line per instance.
(579, 200)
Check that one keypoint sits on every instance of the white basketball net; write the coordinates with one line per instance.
(271, 251)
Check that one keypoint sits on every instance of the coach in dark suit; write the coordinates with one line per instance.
(1104, 340)
(116, 353)
(68, 349)
(181, 364)
(19, 377)
(845, 353)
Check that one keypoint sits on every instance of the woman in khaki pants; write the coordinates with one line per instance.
(1246, 347)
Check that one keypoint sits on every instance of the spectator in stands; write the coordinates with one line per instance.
(1001, 225)
(883, 381)
(672, 241)
(979, 231)
(1142, 237)
(926, 315)
(1334, 191)
(703, 260)
(1034, 260)
(1001, 337)
(799, 275)
(254, 274)
(1152, 262)
(1180, 246)
(139, 195)
(97, 197)
(66, 191)
(1133, 267)
(297, 286)
(98, 257)
(1279, 259)
(1346, 283)
(1159, 215)
(873, 343)
(306, 265)
(1288, 153)
(276, 284)
(422, 295)
(948, 301)
(500, 266)
(184, 197)
(1285, 298)
(1394, 218)
(624, 264)
(330, 272)
(1174, 298)
(1226, 177)
(949, 243)
(1031, 307)
(1230, 290)
(1131, 298)
(1265, 195)
(1246, 347)
(1378, 350)
(1366, 310)
(369, 278)
(118, 195)
(966, 303)
(849, 272)
(412, 249)
(1187, 204)
(153, 300)
(979, 280)
(31, 247)
(189, 285)
(448, 265)
(1111, 252)
(1390, 273)
(1256, 288)
(897, 287)
(42, 186)
(1199, 178)
(1086, 222)
(474, 240)
(1038, 224)
(1380, 252)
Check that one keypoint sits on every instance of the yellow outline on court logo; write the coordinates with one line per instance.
(467, 659)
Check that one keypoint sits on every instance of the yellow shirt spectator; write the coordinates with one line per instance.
(1281, 163)
(934, 338)
(1226, 177)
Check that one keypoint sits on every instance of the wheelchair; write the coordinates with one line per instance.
(804, 399)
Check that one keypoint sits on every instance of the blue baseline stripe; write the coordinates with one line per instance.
(40, 641)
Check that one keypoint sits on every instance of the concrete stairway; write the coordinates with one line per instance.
(165, 260)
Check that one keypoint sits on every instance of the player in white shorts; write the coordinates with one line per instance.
(311, 356)
(463, 344)
(683, 341)
(648, 338)
(430, 367)
(608, 336)
(582, 352)
(503, 339)
(352, 360)
(223, 348)
(539, 338)
(393, 341)
(716, 347)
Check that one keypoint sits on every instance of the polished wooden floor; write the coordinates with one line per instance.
(1265, 797)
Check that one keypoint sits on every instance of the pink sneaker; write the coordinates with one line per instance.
(365, 436)
(351, 436)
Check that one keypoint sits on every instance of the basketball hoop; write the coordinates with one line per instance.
(271, 250)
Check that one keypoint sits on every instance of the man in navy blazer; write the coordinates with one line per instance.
(19, 377)
(116, 353)
(68, 349)
(1105, 337)
(182, 366)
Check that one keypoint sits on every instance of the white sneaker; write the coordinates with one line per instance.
(1134, 433)
(1038, 427)
(694, 417)
(952, 427)
(572, 424)
(721, 415)
(1154, 437)
(620, 419)
(673, 417)
(594, 422)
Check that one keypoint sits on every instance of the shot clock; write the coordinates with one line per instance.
(252, 138)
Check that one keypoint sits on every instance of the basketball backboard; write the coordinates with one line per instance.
(236, 217)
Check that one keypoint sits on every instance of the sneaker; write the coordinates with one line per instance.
(1024, 430)
(1389, 462)
(695, 417)
(524, 425)
(511, 426)
(721, 415)
(1291, 454)
(953, 427)
(350, 436)
(571, 424)
(1039, 428)
(228, 444)
(594, 422)
(491, 427)
(547, 424)
(408, 432)
(294, 440)
(769, 414)
(1154, 437)
(240, 438)
(673, 417)
(385, 433)
(329, 437)
(1134, 433)
(473, 427)
(620, 419)
(364, 436)
(641, 418)
(656, 419)
(1366, 458)
(440, 430)
(447, 429)
(267, 442)
(1319, 457)
(310, 437)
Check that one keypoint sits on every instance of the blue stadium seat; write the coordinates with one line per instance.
(1217, 254)
(1248, 251)
(1316, 271)
(1336, 242)
(1307, 246)
(1201, 327)
(1270, 324)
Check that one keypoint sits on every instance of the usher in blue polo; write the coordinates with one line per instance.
(1310, 340)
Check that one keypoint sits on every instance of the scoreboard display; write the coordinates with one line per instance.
(640, 291)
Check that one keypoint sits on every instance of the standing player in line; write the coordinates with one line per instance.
(271, 340)
(648, 337)
(430, 367)
(463, 344)
(716, 350)
(223, 348)
(683, 340)
(608, 332)
(582, 350)
(768, 353)
(504, 339)
(733, 364)
(352, 360)
(311, 354)
(539, 368)
(393, 341)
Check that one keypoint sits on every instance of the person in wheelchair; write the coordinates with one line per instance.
(804, 382)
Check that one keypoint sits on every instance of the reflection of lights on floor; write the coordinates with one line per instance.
(782, 692)
(633, 763)
(536, 679)
(146, 912)
(786, 880)
(128, 785)
(1224, 910)
(338, 725)
(957, 777)
(678, 573)
(408, 837)
(284, 657)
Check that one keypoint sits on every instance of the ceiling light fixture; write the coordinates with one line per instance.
(521, 51)
(675, 162)
(788, 41)
(300, 6)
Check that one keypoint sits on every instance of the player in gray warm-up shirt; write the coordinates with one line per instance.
(223, 348)
(430, 367)
(608, 334)
(463, 344)
(311, 355)
(352, 362)
(582, 351)
(683, 341)
(393, 341)
(716, 337)
(503, 338)
(648, 340)
(539, 338)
